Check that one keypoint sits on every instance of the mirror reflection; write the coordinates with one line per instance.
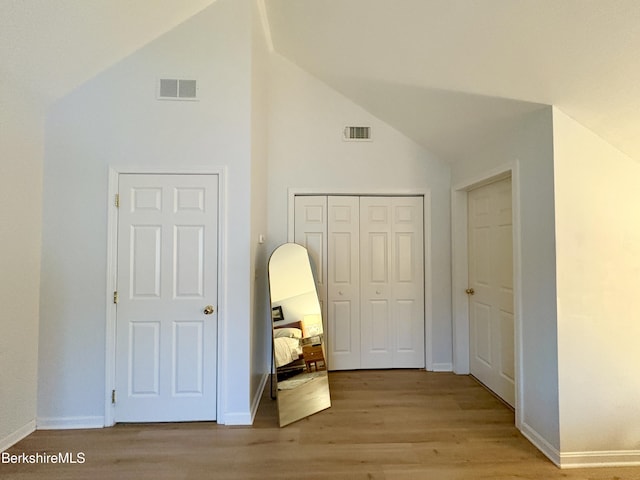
(298, 336)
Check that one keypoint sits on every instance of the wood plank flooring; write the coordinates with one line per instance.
(389, 424)
(305, 400)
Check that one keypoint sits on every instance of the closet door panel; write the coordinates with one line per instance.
(343, 283)
(408, 281)
(377, 330)
(310, 231)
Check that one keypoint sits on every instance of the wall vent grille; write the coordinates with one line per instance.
(357, 134)
(177, 89)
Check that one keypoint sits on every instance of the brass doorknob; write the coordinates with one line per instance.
(470, 291)
(208, 310)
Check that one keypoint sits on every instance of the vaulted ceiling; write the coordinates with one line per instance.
(450, 67)
(49, 47)
(445, 72)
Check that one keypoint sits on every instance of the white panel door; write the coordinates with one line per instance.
(167, 276)
(310, 231)
(407, 260)
(392, 282)
(343, 313)
(375, 283)
(491, 318)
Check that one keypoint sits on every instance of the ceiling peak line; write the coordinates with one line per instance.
(266, 27)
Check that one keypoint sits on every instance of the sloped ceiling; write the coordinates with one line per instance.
(49, 47)
(447, 73)
(408, 61)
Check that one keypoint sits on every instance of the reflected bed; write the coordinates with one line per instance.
(287, 347)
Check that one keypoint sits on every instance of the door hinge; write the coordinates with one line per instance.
(115, 297)
(113, 396)
(117, 200)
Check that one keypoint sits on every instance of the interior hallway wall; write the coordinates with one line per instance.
(597, 191)
(529, 143)
(21, 154)
(116, 120)
(260, 313)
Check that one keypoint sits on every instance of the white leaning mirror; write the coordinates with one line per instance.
(298, 336)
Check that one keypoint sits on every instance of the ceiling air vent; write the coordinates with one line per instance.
(177, 89)
(357, 134)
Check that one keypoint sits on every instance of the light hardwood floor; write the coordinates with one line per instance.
(302, 401)
(393, 424)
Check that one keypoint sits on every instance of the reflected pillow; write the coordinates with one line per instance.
(287, 332)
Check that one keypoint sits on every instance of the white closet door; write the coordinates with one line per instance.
(407, 277)
(392, 282)
(369, 255)
(491, 277)
(310, 231)
(375, 283)
(343, 283)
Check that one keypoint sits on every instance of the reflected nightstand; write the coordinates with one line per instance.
(313, 354)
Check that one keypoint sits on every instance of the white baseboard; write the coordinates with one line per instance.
(238, 418)
(442, 367)
(18, 435)
(541, 444)
(613, 458)
(246, 418)
(255, 403)
(69, 423)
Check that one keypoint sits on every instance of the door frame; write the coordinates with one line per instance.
(112, 271)
(425, 193)
(460, 270)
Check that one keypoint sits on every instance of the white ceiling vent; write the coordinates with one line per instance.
(356, 134)
(177, 89)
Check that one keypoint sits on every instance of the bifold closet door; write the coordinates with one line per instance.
(310, 231)
(391, 282)
(343, 285)
(329, 228)
(369, 260)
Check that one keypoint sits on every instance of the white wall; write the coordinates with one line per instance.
(115, 120)
(260, 313)
(530, 144)
(306, 150)
(21, 153)
(597, 192)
